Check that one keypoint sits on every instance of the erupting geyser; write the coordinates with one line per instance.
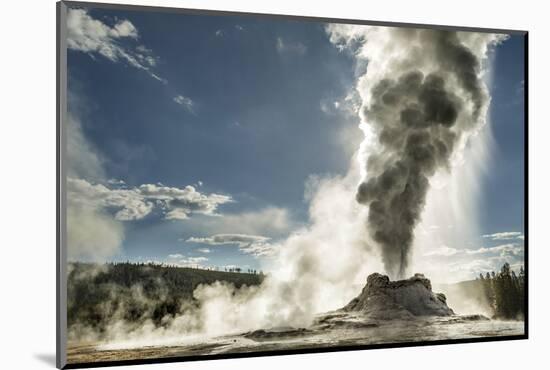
(423, 95)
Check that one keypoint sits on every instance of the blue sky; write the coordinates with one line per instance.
(243, 110)
(503, 190)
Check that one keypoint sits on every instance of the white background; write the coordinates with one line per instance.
(27, 206)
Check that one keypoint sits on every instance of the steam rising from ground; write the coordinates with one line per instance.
(91, 233)
(317, 269)
(422, 98)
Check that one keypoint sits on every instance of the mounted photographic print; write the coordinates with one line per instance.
(234, 184)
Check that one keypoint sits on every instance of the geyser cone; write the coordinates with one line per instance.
(385, 299)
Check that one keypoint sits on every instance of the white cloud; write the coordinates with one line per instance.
(92, 36)
(204, 250)
(219, 33)
(507, 235)
(503, 250)
(250, 244)
(451, 264)
(193, 260)
(478, 251)
(179, 203)
(220, 239)
(465, 270)
(116, 182)
(284, 47)
(185, 102)
(260, 249)
(471, 268)
(175, 256)
(443, 251)
(136, 203)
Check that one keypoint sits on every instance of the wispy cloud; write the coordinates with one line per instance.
(95, 37)
(507, 235)
(250, 244)
(220, 239)
(286, 47)
(443, 251)
(329, 107)
(193, 260)
(503, 250)
(510, 249)
(467, 263)
(185, 102)
(221, 33)
(472, 268)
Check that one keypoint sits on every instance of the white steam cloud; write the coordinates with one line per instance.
(318, 268)
(92, 233)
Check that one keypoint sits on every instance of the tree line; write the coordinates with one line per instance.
(505, 292)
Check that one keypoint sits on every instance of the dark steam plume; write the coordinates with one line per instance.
(419, 117)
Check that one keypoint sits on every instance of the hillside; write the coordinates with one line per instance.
(99, 294)
(500, 294)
